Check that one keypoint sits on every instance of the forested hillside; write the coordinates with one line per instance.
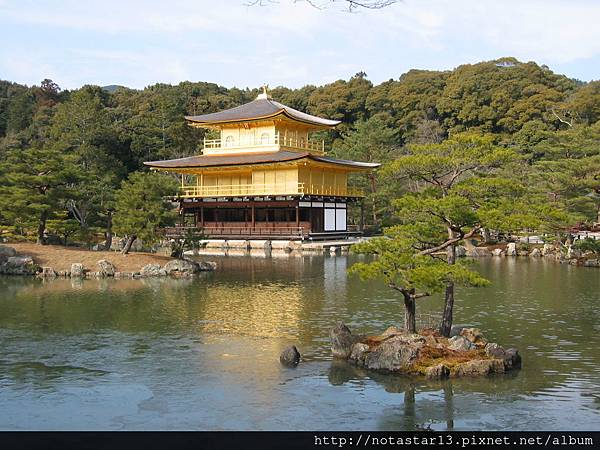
(65, 154)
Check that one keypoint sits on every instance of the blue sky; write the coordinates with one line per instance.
(137, 43)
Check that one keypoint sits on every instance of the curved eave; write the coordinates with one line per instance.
(207, 162)
(356, 165)
(332, 124)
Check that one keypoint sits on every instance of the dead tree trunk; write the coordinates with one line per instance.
(130, 240)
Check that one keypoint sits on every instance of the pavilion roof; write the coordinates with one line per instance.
(202, 161)
(262, 108)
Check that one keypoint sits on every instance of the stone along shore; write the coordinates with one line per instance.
(55, 261)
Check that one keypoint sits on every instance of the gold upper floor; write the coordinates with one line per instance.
(292, 179)
(263, 137)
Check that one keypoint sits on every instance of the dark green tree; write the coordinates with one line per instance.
(141, 207)
(37, 181)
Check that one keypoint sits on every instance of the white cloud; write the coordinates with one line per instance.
(290, 43)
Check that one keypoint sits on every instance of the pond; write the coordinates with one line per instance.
(203, 354)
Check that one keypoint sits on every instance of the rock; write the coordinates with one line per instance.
(19, 265)
(206, 266)
(63, 273)
(431, 341)
(548, 249)
(342, 341)
(107, 269)
(460, 344)
(395, 354)
(573, 253)
(478, 252)
(7, 251)
(293, 246)
(152, 270)
(535, 253)
(178, 267)
(498, 252)
(479, 367)
(493, 349)
(438, 372)
(461, 251)
(523, 253)
(358, 353)
(510, 358)
(137, 246)
(181, 266)
(391, 331)
(76, 270)
(48, 272)
(511, 249)
(290, 356)
(474, 335)
(591, 263)
(334, 250)
(117, 244)
(455, 330)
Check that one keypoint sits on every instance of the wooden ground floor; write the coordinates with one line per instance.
(290, 218)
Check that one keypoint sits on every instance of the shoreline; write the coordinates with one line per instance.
(52, 261)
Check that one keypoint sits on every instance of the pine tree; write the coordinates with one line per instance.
(141, 208)
(36, 183)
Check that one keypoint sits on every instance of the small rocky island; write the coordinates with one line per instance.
(426, 353)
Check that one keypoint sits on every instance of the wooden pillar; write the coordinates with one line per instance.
(202, 216)
(297, 215)
(362, 215)
(253, 217)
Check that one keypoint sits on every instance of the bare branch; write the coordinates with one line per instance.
(351, 4)
(450, 242)
(560, 119)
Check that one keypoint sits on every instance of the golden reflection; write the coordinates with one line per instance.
(254, 309)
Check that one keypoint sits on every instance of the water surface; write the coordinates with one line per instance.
(203, 354)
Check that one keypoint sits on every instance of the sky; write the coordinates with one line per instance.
(137, 43)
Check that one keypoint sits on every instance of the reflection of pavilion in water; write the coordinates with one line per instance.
(269, 297)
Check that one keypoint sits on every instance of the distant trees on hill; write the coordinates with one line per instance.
(103, 135)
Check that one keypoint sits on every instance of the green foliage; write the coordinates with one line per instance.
(191, 240)
(36, 182)
(400, 267)
(523, 141)
(63, 227)
(588, 245)
(140, 206)
(369, 141)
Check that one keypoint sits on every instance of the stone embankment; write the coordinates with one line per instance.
(13, 263)
(426, 353)
(561, 253)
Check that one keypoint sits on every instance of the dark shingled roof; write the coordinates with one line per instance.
(250, 158)
(260, 108)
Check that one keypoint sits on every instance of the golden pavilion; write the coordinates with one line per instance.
(264, 177)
